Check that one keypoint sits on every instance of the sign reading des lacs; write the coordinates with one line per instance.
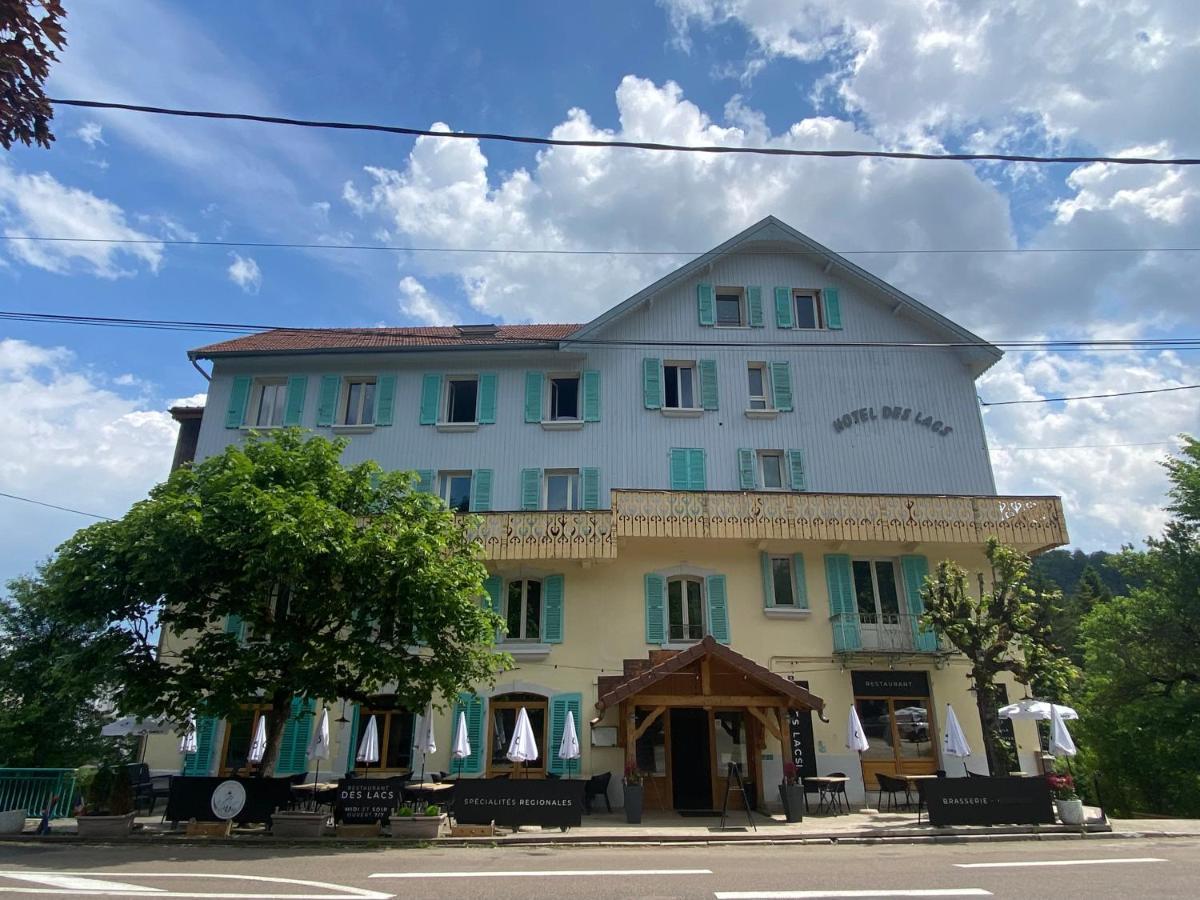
(867, 414)
(364, 801)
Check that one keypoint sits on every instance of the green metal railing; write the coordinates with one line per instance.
(32, 789)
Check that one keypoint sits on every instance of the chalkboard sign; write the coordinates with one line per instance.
(365, 801)
(988, 801)
(519, 801)
(803, 749)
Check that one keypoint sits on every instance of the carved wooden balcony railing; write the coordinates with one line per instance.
(546, 535)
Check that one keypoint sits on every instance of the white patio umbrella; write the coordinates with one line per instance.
(318, 746)
(426, 742)
(1035, 709)
(368, 747)
(462, 742)
(187, 743)
(568, 749)
(133, 726)
(523, 747)
(954, 743)
(856, 739)
(258, 746)
(1061, 743)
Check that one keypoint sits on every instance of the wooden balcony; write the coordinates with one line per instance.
(546, 535)
(1029, 523)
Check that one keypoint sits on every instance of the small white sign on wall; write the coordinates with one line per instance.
(604, 735)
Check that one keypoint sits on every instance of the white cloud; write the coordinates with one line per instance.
(41, 205)
(194, 400)
(90, 133)
(244, 272)
(416, 301)
(72, 442)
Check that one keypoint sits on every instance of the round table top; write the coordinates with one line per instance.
(828, 779)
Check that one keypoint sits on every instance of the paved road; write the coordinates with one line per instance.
(1091, 868)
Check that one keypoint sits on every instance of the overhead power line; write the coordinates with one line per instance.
(1182, 387)
(79, 512)
(1088, 446)
(625, 145)
(556, 251)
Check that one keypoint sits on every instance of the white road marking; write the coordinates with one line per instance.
(815, 895)
(74, 882)
(1029, 863)
(546, 873)
(121, 889)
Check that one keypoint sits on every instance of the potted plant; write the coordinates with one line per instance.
(298, 823)
(107, 809)
(418, 824)
(1070, 807)
(12, 821)
(634, 794)
(791, 793)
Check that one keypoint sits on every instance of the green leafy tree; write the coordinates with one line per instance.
(30, 31)
(276, 572)
(1141, 697)
(997, 630)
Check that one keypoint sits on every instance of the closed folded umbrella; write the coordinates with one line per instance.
(523, 747)
(1061, 743)
(856, 739)
(134, 726)
(568, 749)
(368, 747)
(462, 742)
(318, 744)
(426, 742)
(954, 743)
(258, 746)
(1035, 709)
(187, 743)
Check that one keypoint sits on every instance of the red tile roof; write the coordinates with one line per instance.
(282, 340)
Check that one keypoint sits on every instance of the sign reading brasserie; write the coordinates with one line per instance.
(988, 801)
(867, 414)
(365, 801)
(517, 801)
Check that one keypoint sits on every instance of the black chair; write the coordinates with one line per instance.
(920, 800)
(892, 786)
(837, 793)
(597, 786)
(971, 774)
(141, 786)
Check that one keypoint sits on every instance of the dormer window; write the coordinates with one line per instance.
(808, 310)
(731, 307)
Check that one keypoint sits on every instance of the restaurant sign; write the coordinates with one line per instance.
(519, 801)
(800, 731)
(365, 801)
(865, 414)
(890, 684)
(1006, 800)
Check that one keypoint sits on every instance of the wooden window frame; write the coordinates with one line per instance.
(257, 711)
(524, 582)
(385, 730)
(506, 767)
(686, 625)
(897, 579)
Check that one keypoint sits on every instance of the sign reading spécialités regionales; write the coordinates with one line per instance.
(865, 414)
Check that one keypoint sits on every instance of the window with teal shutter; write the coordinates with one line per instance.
(590, 476)
(471, 708)
(493, 585)
(481, 490)
(801, 581)
(327, 399)
(781, 386)
(718, 608)
(486, 410)
(708, 383)
(754, 307)
(239, 396)
(843, 608)
(679, 469)
(235, 626)
(553, 600)
(833, 309)
(706, 304)
(591, 395)
(297, 389)
(533, 396)
(431, 394)
(655, 587)
(784, 314)
(687, 469)
(652, 382)
(199, 763)
(746, 469)
(697, 474)
(385, 399)
(768, 579)
(914, 569)
(797, 472)
(424, 483)
(531, 488)
(293, 746)
(560, 704)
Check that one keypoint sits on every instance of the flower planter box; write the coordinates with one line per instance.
(792, 797)
(634, 797)
(1070, 812)
(298, 824)
(12, 821)
(417, 828)
(104, 826)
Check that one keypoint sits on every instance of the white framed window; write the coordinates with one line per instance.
(268, 399)
(564, 398)
(358, 401)
(562, 489)
(462, 399)
(731, 307)
(808, 310)
(679, 385)
(876, 591)
(685, 608)
(455, 489)
(523, 610)
(770, 469)
(758, 383)
(783, 577)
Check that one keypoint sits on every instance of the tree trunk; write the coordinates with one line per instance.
(277, 717)
(987, 703)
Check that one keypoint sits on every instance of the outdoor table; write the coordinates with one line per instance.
(827, 798)
(315, 792)
(428, 791)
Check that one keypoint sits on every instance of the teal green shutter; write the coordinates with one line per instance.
(833, 309)
(239, 396)
(656, 588)
(679, 469)
(472, 708)
(533, 396)
(913, 570)
(590, 477)
(327, 399)
(293, 747)
(797, 472)
(784, 315)
(746, 474)
(493, 585)
(559, 705)
(552, 612)
(486, 405)
(697, 476)
(431, 393)
(352, 749)
(531, 488)
(754, 307)
(235, 626)
(481, 490)
(198, 763)
(843, 608)
(708, 383)
(718, 608)
(652, 383)
(591, 396)
(424, 484)
(706, 304)
(768, 579)
(801, 582)
(297, 388)
(781, 386)
(385, 399)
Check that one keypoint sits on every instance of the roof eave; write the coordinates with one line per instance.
(200, 353)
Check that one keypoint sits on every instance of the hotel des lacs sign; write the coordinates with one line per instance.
(866, 414)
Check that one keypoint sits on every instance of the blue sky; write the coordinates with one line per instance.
(85, 405)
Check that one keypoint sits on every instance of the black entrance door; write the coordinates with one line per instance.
(691, 769)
